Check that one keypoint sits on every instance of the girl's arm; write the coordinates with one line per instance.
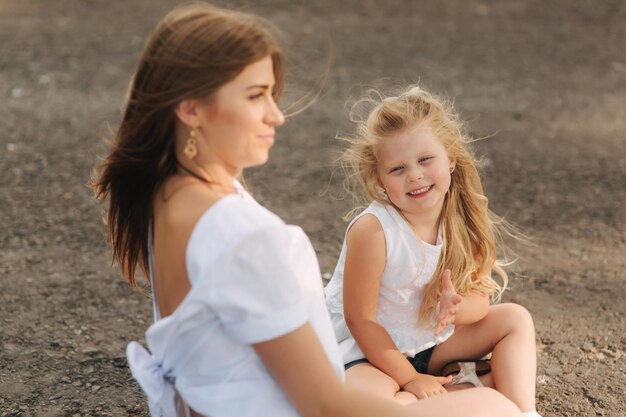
(364, 265)
(455, 309)
(473, 308)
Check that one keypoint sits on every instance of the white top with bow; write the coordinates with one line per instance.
(253, 279)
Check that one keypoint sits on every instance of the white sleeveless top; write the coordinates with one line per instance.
(253, 278)
(409, 266)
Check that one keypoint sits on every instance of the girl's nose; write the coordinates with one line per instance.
(415, 175)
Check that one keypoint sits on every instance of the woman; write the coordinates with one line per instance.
(241, 327)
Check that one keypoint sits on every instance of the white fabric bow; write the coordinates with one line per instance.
(157, 384)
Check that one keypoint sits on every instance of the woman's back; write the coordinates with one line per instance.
(177, 208)
(243, 289)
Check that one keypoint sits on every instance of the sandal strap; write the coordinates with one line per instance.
(482, 366)
(467, 374)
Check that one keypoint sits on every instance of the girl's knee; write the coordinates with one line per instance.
(405, 398)
(366, 377)
(516, 316)
(498, 403)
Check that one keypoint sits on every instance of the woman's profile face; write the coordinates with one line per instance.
(238, 123)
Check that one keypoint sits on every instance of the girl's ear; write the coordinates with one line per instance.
(378, 181)
(452, 164)
(187, 112)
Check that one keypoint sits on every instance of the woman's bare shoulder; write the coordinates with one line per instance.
(182, 201)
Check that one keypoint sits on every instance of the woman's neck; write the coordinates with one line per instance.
(215, 175)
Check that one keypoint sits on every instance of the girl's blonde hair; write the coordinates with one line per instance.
(470, 230)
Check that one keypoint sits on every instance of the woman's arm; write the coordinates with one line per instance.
(300, 366)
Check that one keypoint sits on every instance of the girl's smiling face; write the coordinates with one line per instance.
(414, 169)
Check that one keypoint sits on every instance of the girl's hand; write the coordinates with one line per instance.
(448, 304)
(424, 386)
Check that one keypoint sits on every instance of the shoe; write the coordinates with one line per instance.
(467, 371)
(483, 366)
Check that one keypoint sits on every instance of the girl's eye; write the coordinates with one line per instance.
(424, 159)
(395, 169)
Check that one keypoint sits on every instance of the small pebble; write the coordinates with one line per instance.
(44, 79)
(17, 92)
(587, 347)
(90, 350)
(554, 371)
(543, 380)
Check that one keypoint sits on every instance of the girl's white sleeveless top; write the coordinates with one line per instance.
(410, 265)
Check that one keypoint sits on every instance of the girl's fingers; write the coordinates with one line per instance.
(456, 300)
(438, 391)
(443, 380)
(446, 281)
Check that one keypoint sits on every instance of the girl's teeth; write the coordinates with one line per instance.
(420, 191)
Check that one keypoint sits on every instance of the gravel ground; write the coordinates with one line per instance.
(545, 80)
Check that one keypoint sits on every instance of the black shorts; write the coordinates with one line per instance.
(419, 361)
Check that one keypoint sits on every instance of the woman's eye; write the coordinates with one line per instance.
(256, 96)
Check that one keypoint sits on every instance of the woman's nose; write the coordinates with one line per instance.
(273, 116)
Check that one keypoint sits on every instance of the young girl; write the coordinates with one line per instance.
(411, 289)
(240, 328)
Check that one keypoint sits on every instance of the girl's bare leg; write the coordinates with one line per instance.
(508, 332)
(367, 377)
(478, 402)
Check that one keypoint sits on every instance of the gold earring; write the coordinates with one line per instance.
(191, 150)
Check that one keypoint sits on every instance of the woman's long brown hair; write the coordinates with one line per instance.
(192, 52)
